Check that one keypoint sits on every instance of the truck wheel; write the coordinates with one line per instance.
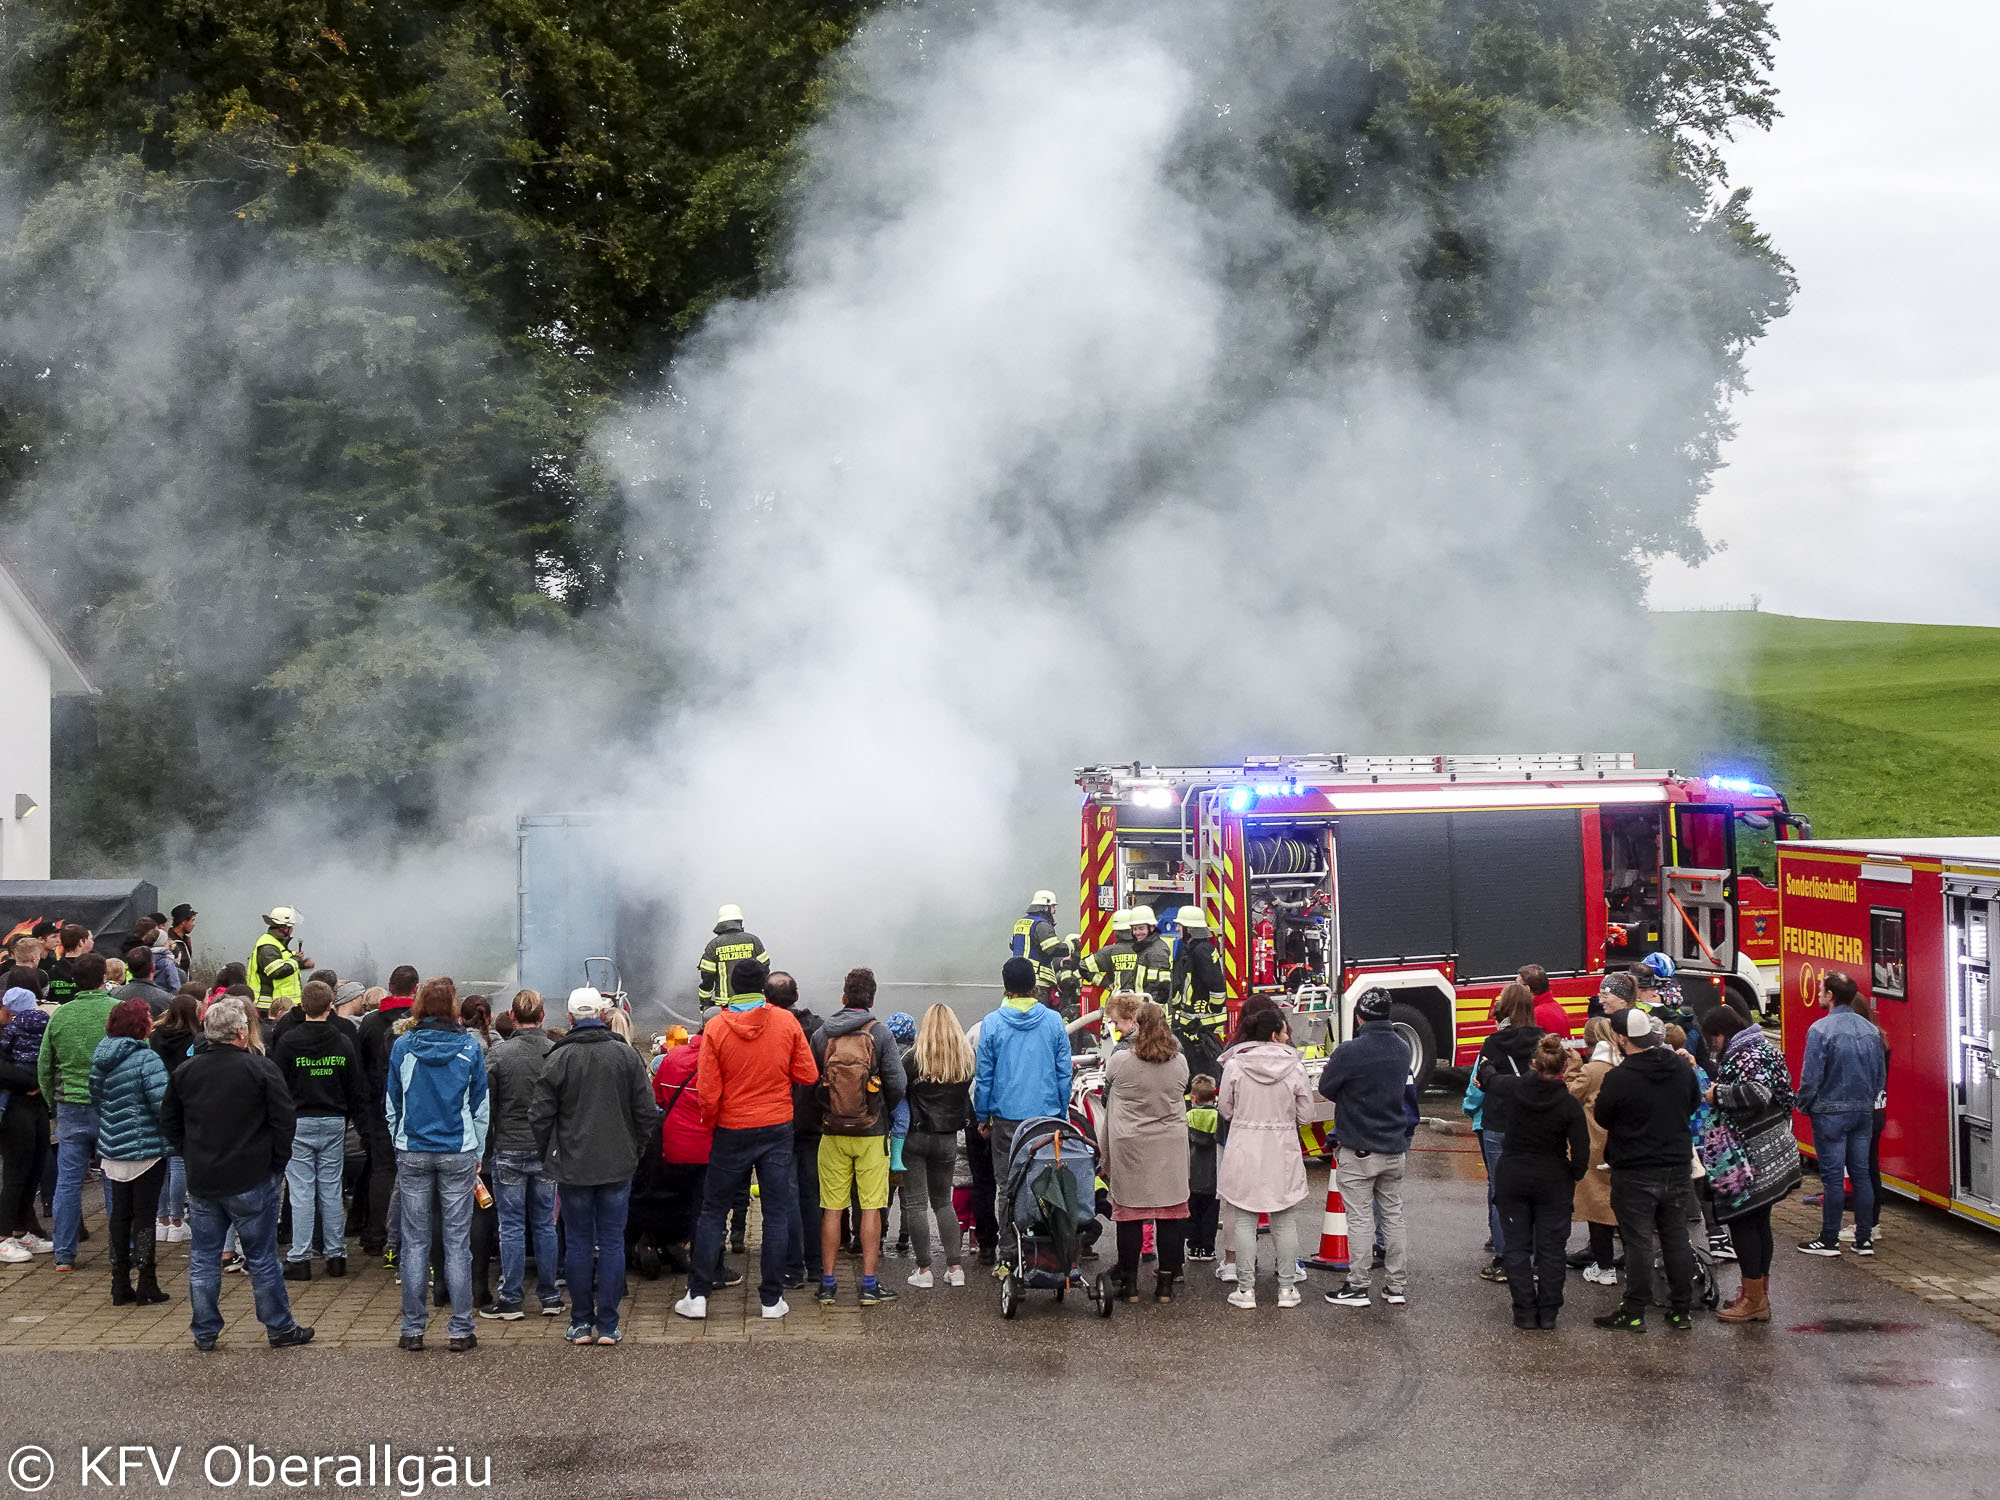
(1415, 1030)
(1743, 991)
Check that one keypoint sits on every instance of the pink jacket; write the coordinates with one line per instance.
(1266, 1099)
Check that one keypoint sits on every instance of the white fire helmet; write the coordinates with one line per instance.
(1192, 920)
(1142, 916)
(1121, 920)
(586, 1003)
(1042, 898)
(730, 913)
(281, 916)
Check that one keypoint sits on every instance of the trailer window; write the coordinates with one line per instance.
(1757, 847)
(1885, 945)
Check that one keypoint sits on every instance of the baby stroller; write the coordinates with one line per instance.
(1050, 1196)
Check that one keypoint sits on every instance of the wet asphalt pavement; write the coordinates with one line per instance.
(1855, 1389)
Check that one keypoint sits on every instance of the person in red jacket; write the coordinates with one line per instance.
(1549, 1012)
(684, 1136)
(751, 1055)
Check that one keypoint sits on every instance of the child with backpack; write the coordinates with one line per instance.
(861, 1085)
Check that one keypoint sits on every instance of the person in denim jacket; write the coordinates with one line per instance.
(1845, 1070)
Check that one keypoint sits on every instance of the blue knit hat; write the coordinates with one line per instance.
(903, 1026)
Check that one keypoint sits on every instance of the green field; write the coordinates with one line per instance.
(1870, 730)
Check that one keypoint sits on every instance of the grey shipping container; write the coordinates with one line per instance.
(573, 906)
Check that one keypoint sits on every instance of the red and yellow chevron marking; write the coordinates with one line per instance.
(1313, 1137)
(1230, 914)
(1098, 861)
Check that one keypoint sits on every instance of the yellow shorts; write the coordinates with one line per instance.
(857, 1164)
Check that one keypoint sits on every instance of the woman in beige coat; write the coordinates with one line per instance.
(1144, 1139)
(1592, 1202)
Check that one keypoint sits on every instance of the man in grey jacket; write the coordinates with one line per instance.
(593, 1110)
(522, 1189)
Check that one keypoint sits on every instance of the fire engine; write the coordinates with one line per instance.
(1437, 877)
(1912, 921)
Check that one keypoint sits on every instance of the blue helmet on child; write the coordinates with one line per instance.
(1660, 964)
(903, 1027)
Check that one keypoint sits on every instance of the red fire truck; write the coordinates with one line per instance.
(1912, 921)
(1438, 876)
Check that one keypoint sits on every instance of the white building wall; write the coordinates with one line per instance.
(24, 752)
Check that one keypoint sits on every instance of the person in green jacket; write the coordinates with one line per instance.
(63, 1068)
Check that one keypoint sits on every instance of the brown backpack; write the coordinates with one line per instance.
(848, 1090)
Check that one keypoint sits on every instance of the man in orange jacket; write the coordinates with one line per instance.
(751, 1055)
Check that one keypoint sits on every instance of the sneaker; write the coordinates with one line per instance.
(1203, 1255)
(729, 1277)
(954, 1275)
(505, 1312)
(298, 1270)
(876, 1295)
(414, 1342)
(1819, 1247)
(581, 1333)
(292, 1338)
(827, 1293)
(1681, 1321)
(1225, 1270)
(204, 1346)
(1631, 1319)
(1719, 1247)
(12, 1253)
(1349, 1296)
(1600, 1275)
(465, 1343)
(775, 1309)
(1243, 1296)
(554, 1309)
(610, 1338)
(336, 1266)
(1847, 1231)
(63, 1265)
(1288, 1295)
(181, 1234)
(1864, 1247)
(37, 1244)
(1395, 1298)
(232, 1262)
(1493, 1272)
(921, 1279)
(689, 1306)
(738, 1245)
(389, 1258)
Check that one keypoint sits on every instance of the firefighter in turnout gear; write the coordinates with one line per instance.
(274, 969)
(1036, 939)
(1196, 1008)
(1137, 960)
(729, 945)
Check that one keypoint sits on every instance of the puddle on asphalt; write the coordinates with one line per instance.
(1854, 1325)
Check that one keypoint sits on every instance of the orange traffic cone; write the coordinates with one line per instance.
(1332, 1254)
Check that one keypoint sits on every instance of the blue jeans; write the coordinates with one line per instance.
(1489, 1146)
(594, 1252)
(1841, 1143)
(732, 1155)
(316, 1175)
(174, 1201)
(802, 1243)
(450, 1174)
(254, 1216)
(76, 1149)
(526, 1198)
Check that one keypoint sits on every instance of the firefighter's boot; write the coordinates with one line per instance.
(1752, 1303)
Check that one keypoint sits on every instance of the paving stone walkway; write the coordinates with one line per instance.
(43, 1308)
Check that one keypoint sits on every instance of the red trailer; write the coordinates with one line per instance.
(1912, 922)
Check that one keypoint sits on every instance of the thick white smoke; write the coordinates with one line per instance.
(1020, 470)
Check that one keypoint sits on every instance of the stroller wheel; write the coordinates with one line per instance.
(1010, 1296)
(1105, 1296)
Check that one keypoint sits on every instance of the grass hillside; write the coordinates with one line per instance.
(1870, 730)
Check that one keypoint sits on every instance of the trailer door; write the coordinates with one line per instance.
(1973, 1043)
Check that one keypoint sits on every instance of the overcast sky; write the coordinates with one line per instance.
(1864, 482)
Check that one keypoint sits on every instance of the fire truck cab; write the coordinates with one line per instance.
(1437, 877)
(1912, 921)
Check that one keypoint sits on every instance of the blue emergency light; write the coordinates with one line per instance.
(1741, 785)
